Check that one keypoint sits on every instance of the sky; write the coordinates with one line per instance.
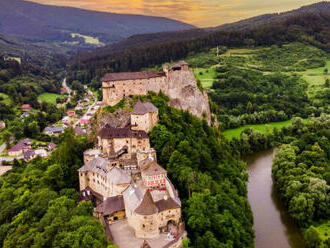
(201, 13)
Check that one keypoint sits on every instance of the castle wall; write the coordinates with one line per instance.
(169, 215)
(113, 92)
(145, 226)
(100, 184)
(142, 155)
(144, 122)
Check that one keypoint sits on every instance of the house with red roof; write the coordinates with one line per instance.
(26, 107)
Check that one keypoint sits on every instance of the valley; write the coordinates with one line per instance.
(114, 136)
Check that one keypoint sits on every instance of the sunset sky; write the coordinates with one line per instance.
(202, 13)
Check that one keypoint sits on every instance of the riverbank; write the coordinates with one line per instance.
(272, 224)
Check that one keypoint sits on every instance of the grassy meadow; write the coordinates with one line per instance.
(5, 99)
(49, 97)
(263, 128)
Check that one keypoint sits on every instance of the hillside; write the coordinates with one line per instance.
(317, 8)
(75, 27)
(251, 23)
(149, 51)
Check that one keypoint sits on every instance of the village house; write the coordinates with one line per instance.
(51, 146)
(53, 130)
(64, 91)
(144, 116)
(20, 147)
(24, 115)
(116, 86)
(41, 152)
(29, 155)
(71, 113)
(26, 108)
(79, 131)
(84, 121)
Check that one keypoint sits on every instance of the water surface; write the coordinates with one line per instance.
(273, 226)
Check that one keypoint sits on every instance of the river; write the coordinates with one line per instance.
(273, 226)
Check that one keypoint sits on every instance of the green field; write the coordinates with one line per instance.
(49, 97)
(206, 76)
(316, 78)
(88, 39)
(6, 99)
(236, 132)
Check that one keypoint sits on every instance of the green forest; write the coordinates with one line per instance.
(39, 202)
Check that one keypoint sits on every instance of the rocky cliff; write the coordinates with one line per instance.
(184, 94)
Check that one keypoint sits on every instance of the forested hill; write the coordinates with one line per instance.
(251, 23)
(37, 22)
(134, 54)
(317, 8)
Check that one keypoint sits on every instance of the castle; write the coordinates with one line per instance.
(115, 86)
(132, 194)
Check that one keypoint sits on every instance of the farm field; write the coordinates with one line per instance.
(316, 78)
(206, 76)
(236, 132)
(5, 99)
(49, 97)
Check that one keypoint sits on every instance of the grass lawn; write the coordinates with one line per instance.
(206, 76)
(236, 132)
(6, 99)
(49, 97)
(315, 78)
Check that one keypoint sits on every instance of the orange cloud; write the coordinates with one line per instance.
(197, 12)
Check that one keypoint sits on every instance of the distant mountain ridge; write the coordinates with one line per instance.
(38, 23)
(254, 22)
(316, 8)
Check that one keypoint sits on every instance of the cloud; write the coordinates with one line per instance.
(197, 12)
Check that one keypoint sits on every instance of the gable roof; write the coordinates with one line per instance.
(133, 196)
(122, 76)
(179, 64)
(21, 145)
(109, 132)
(141, 108)
(166, 204)
(147, 206)
(100, 166)
(111, 205)
(118, 176)
(151, 168)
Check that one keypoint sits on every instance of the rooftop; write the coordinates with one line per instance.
(109, 132)
(141, 108)
(122, 76)
(150, 167)
(111, 205)
(100, 166)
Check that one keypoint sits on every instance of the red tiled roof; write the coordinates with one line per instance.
(26, 106)
(132, 75)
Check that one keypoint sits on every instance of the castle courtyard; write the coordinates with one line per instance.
(124, 237)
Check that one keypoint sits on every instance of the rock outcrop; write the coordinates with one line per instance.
(184, 94)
